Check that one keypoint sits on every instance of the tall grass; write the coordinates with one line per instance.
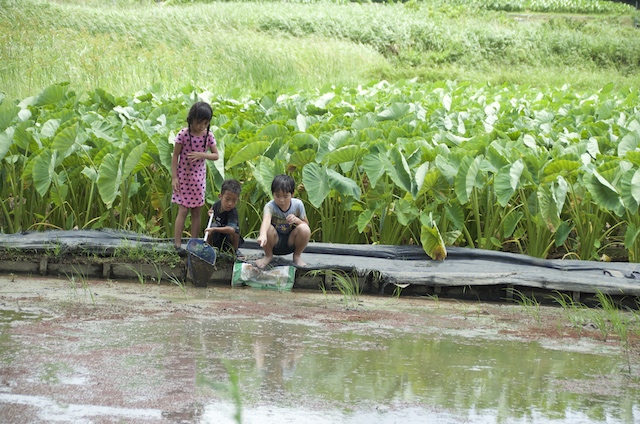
(346, 283)
(124, 46)
(531, 304)
(125, 50)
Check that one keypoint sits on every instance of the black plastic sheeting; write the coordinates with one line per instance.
(82, 241)
(392, 264)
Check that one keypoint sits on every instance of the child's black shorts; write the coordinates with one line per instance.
(223, 241)
(282, 245)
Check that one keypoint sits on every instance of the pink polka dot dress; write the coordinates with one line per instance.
(191, 175)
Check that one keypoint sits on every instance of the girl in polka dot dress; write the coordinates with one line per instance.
(188, 168)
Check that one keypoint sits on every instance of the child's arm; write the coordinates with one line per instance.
(227, 229)
(175, 184)
(232, 225)
(298, 217)
(266, 223)
(214, 153)
(194, 156)
(295, 220)
(222, 230)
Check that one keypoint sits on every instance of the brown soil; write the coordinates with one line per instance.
(110, 299)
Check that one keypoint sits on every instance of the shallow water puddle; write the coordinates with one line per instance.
(179, 369)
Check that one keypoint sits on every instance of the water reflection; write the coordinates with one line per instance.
(308, 373)
(365, 368)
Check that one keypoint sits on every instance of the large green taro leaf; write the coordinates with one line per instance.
(43, 171)
(248, 153)
(110, 178)
(507, 181)
(316, 183)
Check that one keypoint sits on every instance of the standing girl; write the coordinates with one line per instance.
(188, 168)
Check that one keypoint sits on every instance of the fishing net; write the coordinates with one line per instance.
(201, 261)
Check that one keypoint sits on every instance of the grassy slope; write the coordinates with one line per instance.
(253, 47)
(127, 50)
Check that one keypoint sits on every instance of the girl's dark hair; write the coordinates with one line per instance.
(200, 111)
(283, 183)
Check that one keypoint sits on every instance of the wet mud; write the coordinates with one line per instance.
(95, 351)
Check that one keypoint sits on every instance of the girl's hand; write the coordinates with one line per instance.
(194, 156)
(262, 240)
(175, 184)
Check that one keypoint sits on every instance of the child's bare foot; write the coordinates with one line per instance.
(299, 262)
(263, 262)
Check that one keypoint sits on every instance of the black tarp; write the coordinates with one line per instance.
(463, 267)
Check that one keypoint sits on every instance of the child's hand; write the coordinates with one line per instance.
(175, 184)
(262, 240)
(195, 156)
(293, 220)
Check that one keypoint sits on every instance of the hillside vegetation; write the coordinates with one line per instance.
(251, 47)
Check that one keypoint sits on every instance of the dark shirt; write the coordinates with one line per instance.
(224, 218)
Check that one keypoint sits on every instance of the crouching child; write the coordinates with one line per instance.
(285, 228)
(224, 232)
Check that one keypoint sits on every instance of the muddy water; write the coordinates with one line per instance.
(172, 366)
(382, 375)
(291, 371)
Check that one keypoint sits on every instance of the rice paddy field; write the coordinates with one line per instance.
(507, 125)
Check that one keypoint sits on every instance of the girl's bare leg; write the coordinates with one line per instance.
(195, 222)
(179, 225)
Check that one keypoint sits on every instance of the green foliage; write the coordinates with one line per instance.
(178, 282)
(554, 6)
(491, 165)
(133, 45)
(531, 304)
(139, 254)
(577, 313)
(434, 164)
(74, 279)
(248, 47)
(346, 283)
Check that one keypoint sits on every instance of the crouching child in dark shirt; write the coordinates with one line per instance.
(224, 232)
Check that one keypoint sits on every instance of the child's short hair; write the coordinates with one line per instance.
(231, 185)
(283, 183)
(200, 111)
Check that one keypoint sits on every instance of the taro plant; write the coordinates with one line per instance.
(333, 195)
(460, 164)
